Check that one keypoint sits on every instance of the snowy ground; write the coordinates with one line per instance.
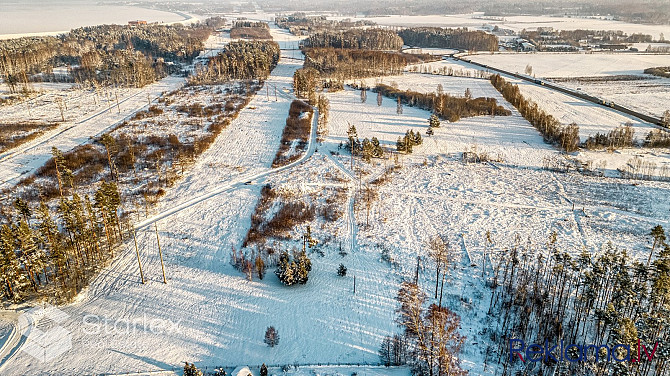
(88, 114)
(650, 95)
(573, 64)
(590, 117)
(208, 313)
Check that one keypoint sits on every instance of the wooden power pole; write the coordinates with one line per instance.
(137, 252)
(160, 253)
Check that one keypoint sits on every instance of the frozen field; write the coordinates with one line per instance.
(210, 314)
(573, 64)
(590, 117)
(427, 83)
(651, 96)
(39, 18)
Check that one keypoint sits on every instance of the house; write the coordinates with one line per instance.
(241, 371)
(137, 23)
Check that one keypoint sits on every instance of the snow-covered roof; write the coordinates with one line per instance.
(241, 371)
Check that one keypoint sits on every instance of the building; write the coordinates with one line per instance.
(137, 23)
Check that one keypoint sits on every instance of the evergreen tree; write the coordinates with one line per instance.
(342, 270)
(271, 336)
(429, 131)
(10, 269)
(264, 370)
(434, 121)
(398, 109)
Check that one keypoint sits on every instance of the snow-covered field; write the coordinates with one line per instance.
(210, 314)
(590, 117)
(87, 113)
(651, 96)
(573, 64)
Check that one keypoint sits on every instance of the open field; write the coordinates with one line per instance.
(376, 218)
(547, 65)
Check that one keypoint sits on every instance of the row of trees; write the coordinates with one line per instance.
(368, 39)
(444, 105)
(550, 128)
(459, 38)
(246, 60)
(621, 136)
(543, 293)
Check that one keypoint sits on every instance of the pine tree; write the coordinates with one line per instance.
(398, 108)
(271, 336)
(429, 131)
(342, 270)
(434, 121)
(303, 267)
(264, 370)
(10, 269)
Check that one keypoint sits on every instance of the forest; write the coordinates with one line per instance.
(368, 39)
(541, 292)
(460, 38)
(240, 60)
(104, 55)
(444, 105)
(342, 64)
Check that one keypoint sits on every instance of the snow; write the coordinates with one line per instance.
(590, 117)
(650, 96)
(20, 19)
(89, 114)
(210, 315)
(547, 65)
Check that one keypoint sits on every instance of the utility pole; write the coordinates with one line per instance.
(137, 252)
(118, 108)
(416, 276)
(160, 253)
(354, 285)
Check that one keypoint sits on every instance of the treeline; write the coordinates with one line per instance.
(444, 105)
(459, 38)
(658, 71)
(250, 30)
(240, 60)
(368, 39)
(621, 136)
(342, 64)
(603, 298)
(106, 54)
(550, 128)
